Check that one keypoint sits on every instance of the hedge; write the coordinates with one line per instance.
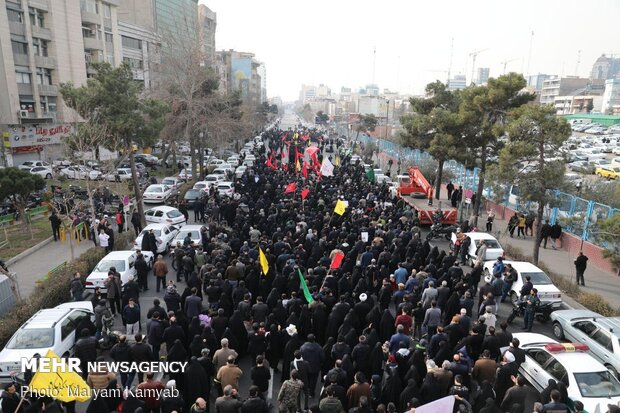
(593, 302)
(54, 291)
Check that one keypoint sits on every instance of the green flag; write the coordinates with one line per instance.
(304, 286)
(371, 175)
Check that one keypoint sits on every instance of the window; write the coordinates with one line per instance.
(133, 63)
(557, 370)
(22, 74)
(109, 58)
(131, 43)
(586, 327)
(602, 338)
(89, 6)
(66, 328)
(48, 103)
(39, 47)
(44, 76)
(37, 17)
(540, 356)
(89, 33)
(109, 38)
(26, 102)
(107, 11)
(15, 16)
(19, 47)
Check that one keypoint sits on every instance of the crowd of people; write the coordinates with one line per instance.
(395, 325)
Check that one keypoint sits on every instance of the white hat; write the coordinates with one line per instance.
(363, 297)
(130, 278)
(509, 356)
(291, 329)
(105, 216)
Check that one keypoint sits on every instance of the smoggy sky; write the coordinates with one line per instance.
(332, 42)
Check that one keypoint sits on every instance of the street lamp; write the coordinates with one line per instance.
(387, 117)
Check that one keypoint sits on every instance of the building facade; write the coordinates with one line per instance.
(482, 75)
(457, 82)
(560, 86)
(605, 67)
(208, 23)
(141, 50)
(611, 97)
(240, 72)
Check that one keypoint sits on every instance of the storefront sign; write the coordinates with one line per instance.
(35, 135)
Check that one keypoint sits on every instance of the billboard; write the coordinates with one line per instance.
(241, 75)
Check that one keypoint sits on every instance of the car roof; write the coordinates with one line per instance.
(480, 235)
(155, 225)
(164, 208)
(523, 266)
(171, 177)
(155, 186)
(225, 183)
(46, 318)
(611, 324)
(118, 255)
(190, 228)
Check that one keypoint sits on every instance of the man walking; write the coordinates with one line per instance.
(532, 301)
(581, 262)
(77, 288)
(55, 221)
(545, 232)
(131, 317)
(160, 269)
(556, 234)
(136, 222)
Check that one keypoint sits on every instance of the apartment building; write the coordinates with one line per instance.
(240, 72)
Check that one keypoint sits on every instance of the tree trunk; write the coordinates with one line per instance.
(438, 178)
(136, 188)
(483, 168)
(537, 238)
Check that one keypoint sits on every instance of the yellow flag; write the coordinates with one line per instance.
(264, 264)
(337, 160)
(297, 165)
(340, 207)
(66, 386)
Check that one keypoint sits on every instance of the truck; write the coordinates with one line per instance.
(416, 191)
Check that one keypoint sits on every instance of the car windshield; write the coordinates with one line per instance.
(32, 338)
(491, 243)
(105, 265)
(223, 187)
(537, 278)
(597, 384)
(191, 194)
(157, 233)
(168, 181)
(192, 235)
(174, 214)
(154, 189)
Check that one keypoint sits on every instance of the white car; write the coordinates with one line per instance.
(122, 261)
(193, 230)
(248, 162)
(233, 160)
(124, 174)
(165, 214)
(214, 163)
(586, 379)
(494, 249)
(172, 182)
(80, 172)
(227, 167)
(240, 171)
(354, 159)
(220, 171)
(164, 234)
(48, 329)
(547, 292)
(209, 181)
(226, 189)
(186, 175)
(28, 165)
(157, 193)
(44, 172)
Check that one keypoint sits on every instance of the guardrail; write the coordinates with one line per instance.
(51, 273)
(30, 212)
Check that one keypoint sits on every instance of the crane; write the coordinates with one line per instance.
(474, 55)
(505, 62)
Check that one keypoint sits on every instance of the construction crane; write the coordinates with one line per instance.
(474, 55)
(505, 62)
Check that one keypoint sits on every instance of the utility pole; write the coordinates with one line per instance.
(529, 54)
(387, 116)
(374, 63)
(450, 65)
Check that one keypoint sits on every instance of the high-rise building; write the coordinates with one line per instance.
(536, 81)
(141, 50)
(239, 72)
(482, 75)
(611, 97)
(457, 82)
(208, 23)
(561, 86)
(175, 20)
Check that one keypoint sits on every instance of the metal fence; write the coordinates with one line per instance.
(577, 216)
(7, 297)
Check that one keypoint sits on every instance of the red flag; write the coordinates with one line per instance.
(304, 170)
(304, 193)
(337, 261)
(290, 188)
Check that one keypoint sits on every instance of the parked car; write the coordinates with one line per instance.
(547, 291)
(44, 172)
(185, 175)
(233, 160)
(494, 249)
(28, 165)
(123, 174)
(122, 261)
(601, 334)
(164, 234)
(609, 172)
(194, 233)
(163, 214)
(584, 167)
(80, 172)
(173, 182)
(586, 379)
(213, 179)
(240, 171)
(157, 193)
(48, 329)
(226, 189)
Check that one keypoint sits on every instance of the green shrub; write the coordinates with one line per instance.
(593, 302)
(48, 293)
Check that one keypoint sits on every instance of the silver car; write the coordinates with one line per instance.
(601, 334)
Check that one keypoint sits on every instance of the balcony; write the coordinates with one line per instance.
(48, 90)
(91, 43)
(138, 74)
(41, 32)
(17, 28)
(45, 61)
(107, 24)
(24, 89)
(38, 4)
(88, 17)
(21, 60)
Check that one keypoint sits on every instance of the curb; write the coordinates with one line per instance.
(29, 251)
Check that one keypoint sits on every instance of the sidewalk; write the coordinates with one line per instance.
(38, 264)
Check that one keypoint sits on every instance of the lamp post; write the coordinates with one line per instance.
(387, 117)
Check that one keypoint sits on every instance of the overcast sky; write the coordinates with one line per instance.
(332, 42)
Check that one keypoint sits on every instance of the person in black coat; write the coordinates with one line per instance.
(196, 383)
(86, 350)
(505, 373)
(293, 344)
(142, 269)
